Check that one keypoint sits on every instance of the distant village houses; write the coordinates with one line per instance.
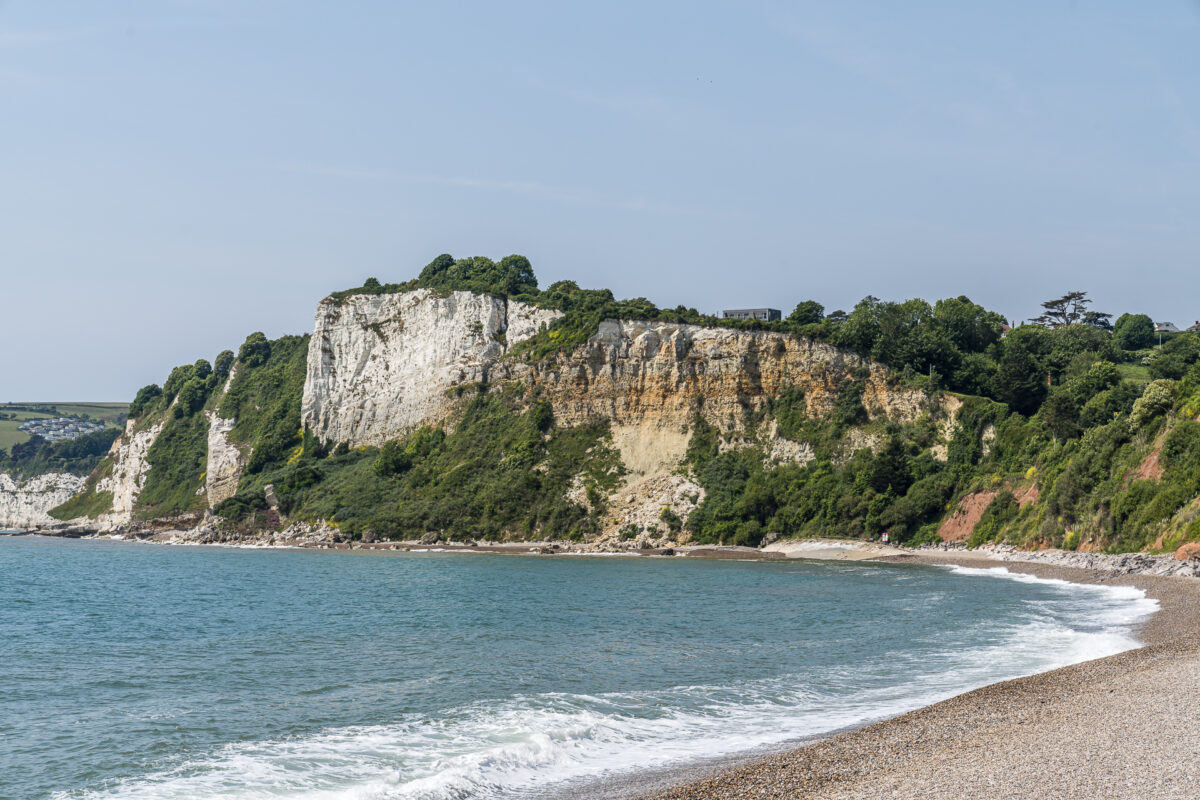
(764, 314)
(59, 429)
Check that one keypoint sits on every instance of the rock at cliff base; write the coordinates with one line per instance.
(1188, 551)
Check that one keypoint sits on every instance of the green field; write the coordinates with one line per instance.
(111, 413)
(1134, 372)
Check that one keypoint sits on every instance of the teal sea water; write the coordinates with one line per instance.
(143, 671)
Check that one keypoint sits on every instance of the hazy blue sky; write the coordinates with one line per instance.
(175, 175)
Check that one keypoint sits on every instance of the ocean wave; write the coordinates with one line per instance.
(1119, 607)
(550, 741)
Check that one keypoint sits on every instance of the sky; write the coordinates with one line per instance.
(176, 174)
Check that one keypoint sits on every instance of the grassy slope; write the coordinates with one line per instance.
(1135, 373)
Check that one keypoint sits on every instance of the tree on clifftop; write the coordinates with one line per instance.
(512, 276)
(807, 313)
(1070, 309)
(1133, 332)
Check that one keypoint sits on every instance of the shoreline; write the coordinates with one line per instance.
(1113, 727)
(821, 549)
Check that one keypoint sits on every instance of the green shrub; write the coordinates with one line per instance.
(849, 410)
(191, 397)
(1002, 510)
(255, 351)
(265, 397)
(1133, 332)
(1155, 401)
(177, 460)
(673, 520)
(85, 504)
(790, 410)
(704, 444)
(928, 534)
(145, 397)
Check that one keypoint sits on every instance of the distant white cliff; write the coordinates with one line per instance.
(23, 504)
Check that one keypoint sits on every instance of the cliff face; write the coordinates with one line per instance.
(657, 374)
(123, 474)
(124, 471)
(23, 504)
(129, 470)
(225, 460)
(379, 365)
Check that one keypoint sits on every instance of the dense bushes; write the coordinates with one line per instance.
(1176, 356)
(1133, 332)
(146, 396)
(895, 489)
(504, 469)
(511, 277)
(790, 410)
(265, 397)
(177, 460)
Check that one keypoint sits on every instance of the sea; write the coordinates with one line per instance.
(132, 670)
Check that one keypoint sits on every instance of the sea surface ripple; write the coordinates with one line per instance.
(142, 671)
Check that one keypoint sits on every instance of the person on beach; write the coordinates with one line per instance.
(884, 538)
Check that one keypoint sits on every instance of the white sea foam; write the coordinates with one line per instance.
(1111, 607)
(547, 741)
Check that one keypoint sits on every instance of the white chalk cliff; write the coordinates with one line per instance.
(128, 454)
(379, 365)
(24, 503)
(225, 460)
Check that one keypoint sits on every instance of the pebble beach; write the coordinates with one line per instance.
(1125, 726)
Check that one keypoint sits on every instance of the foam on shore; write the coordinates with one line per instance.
(508, 748)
